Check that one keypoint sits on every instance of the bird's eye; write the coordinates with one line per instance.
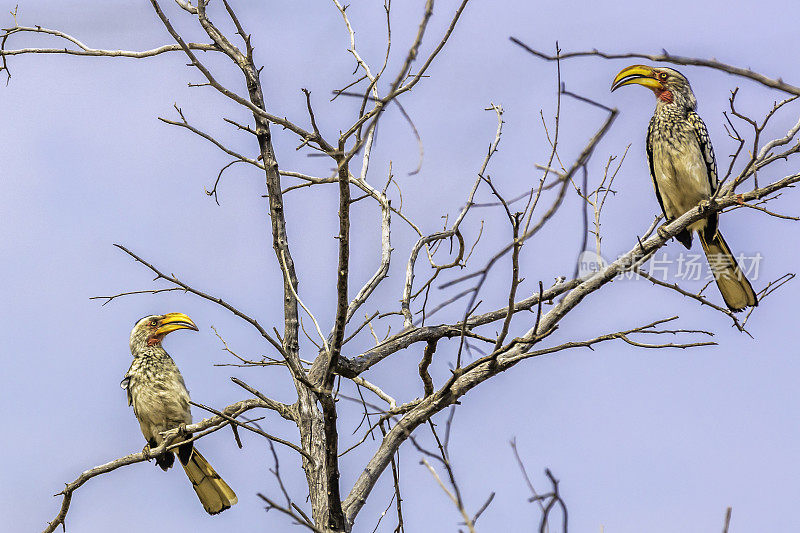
(154, 322)
(663, 75)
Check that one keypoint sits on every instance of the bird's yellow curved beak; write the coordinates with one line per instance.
(639, 74)
(174, 321)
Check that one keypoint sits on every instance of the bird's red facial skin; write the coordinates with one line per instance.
(154, 339)
(665, 96)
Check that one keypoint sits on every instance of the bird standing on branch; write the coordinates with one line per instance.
(684, 172)
(161, 402)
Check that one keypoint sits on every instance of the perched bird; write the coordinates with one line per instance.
(684, 172)
(161, 402)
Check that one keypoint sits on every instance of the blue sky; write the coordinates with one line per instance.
(642, 440)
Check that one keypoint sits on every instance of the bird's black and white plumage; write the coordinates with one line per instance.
(684, 172)
(160, 402)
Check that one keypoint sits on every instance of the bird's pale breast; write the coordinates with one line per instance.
(159, 396)
(679, 167)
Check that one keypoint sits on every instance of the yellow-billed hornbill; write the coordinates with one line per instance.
(161, 402)
(684, 172)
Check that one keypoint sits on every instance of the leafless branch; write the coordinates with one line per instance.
(727, 520)
(676, 60)
(212, 81)
(315, 412)
(552, 498)
(453, 230)
(456, 502)
(253, 429)
(289, 512)
(202, 428)
(218, 301)
(85, 50)
(146, 291)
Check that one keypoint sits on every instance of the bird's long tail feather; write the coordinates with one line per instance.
(214, 493)
(735, 288)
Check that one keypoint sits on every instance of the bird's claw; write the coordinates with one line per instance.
(662, 232)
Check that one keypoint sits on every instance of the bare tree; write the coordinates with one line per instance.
(319, 365)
